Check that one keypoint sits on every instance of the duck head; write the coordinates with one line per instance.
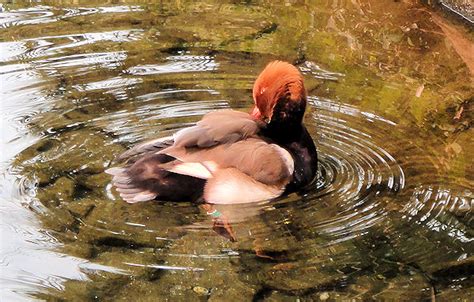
(279, 95)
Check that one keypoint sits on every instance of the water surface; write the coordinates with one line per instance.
(390, 109)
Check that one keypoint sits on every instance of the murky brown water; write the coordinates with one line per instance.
(390, 93)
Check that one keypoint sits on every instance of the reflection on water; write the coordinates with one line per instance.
(389, 217)
(46, 14)
(177, 64)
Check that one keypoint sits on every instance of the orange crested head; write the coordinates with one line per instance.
(279, 93)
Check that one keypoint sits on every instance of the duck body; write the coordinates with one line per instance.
(228, 156)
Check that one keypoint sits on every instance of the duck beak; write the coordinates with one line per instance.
(256, 113)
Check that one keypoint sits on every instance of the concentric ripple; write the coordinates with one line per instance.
(356, 173)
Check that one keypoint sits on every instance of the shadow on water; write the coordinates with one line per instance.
(389, 217)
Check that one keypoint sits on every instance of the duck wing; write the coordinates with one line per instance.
(218, 127)
(151, 146)
(223, 126)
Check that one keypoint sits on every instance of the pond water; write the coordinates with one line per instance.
(390, 87)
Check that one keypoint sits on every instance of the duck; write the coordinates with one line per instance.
(229, 156)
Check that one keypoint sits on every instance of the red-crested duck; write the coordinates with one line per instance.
(229, 156)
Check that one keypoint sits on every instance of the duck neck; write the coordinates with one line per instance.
(284, 133)
(295, 138)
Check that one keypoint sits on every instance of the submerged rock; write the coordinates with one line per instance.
(300, 279)
(277, 296)
(81, 208)
(62, 190)
(69, 153)
(202, 291)
(413, 287)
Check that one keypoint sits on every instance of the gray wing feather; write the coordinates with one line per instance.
(218, 127)
(127, 190)
(149, 146)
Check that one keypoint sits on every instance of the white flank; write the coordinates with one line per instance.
(192, 169)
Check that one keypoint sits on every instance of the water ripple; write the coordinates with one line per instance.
(355, 171)
(318, 72)
(108, 84)
(440, 208)
(109, 60)
(180, 63)
(53, 45)
(47, 14)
